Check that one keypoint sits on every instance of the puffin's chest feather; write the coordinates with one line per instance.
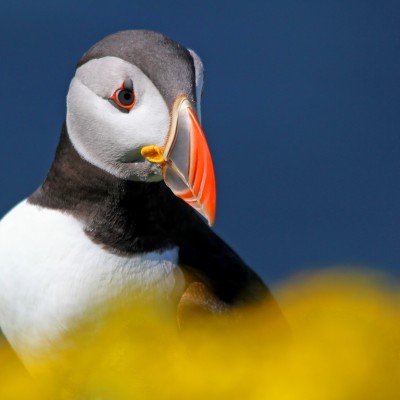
(51, 271)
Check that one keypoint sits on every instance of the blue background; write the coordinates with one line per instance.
(301, 109)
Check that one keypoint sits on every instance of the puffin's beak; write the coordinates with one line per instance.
(186, 160)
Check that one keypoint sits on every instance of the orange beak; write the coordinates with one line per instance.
(187, 165)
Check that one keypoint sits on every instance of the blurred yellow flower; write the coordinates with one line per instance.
(344, 343)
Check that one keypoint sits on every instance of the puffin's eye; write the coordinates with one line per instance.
(124, 96)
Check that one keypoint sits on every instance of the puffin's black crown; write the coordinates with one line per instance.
(169, 65)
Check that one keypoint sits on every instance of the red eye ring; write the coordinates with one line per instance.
(124, 97)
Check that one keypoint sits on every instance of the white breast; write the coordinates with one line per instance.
(50, 273)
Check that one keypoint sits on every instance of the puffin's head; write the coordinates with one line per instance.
(133, 110)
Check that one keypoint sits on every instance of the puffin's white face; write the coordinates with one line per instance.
(107, 134)
(118, 120)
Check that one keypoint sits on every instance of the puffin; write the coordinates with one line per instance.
(127, 204)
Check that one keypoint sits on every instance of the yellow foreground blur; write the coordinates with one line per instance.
(344, 344)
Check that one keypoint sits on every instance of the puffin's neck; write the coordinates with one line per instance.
(123, 216)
